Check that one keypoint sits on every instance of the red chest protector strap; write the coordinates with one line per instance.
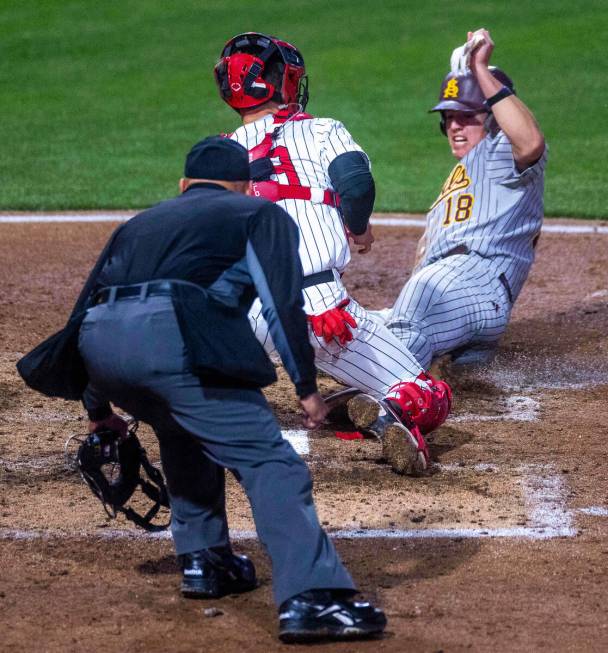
(273, 190)
(280, 118)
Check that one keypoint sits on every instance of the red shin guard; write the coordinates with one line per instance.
(427, 405)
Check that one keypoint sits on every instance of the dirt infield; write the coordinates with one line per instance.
(503, 547)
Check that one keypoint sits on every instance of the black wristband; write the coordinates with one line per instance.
(306, 388)
(504, 92)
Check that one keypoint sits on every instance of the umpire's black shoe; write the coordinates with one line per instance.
(323, 614)
(211, 573)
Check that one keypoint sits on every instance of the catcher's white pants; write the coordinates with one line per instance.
(373, 361)
(455, 302)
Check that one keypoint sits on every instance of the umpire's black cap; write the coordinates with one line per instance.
(219, 158)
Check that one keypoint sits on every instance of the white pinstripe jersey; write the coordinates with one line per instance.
(301, 154)
(310, 146)
(490, 207)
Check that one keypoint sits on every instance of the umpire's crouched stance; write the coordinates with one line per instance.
(166, 338)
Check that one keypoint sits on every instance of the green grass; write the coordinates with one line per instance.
(101, 101)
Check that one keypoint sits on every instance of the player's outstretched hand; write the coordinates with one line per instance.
(315, 410)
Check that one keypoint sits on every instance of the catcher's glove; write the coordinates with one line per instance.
(111, 467)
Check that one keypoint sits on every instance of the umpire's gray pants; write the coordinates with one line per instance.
(135, 357)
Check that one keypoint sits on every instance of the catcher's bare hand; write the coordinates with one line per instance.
(114, 422)
(366, 239)
(315, 410)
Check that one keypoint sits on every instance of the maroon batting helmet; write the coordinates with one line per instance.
(255, 68)
(461, 92)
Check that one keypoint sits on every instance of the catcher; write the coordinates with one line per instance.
(482, 229)
(314, 169)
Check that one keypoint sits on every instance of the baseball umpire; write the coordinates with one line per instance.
(314, 169)
(481, 231)
(166, 338)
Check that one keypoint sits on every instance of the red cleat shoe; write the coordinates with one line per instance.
(403, 446)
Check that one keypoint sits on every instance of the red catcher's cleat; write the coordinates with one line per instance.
(426, 402)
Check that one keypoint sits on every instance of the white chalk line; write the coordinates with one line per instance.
(456, 467)
(595, 511)
(545, 500)
(518, 408)
(517, 532)
(544, 497)
(37, 462)
(547, 228)
(556, 385)
(34, 218)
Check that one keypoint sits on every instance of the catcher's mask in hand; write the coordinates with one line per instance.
(111, 466)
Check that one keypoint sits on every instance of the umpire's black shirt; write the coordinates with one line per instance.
(235, 247)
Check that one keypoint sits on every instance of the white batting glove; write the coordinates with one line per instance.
(459, 61)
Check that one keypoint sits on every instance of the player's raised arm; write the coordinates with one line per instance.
(511, 114)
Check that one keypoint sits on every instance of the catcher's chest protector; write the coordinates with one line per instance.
(267, 159)
(265, 147)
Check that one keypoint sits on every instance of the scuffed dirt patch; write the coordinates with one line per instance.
(78, 589)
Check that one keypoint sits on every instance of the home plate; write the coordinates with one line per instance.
(298, 440)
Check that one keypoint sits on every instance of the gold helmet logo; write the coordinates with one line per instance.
(451, 89)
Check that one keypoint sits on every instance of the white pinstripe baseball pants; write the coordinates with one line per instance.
(451, 303)
(373, 361)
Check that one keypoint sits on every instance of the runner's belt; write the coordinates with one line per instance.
(460, 249)
(503, 279)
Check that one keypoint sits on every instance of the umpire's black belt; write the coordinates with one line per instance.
(141, 290)
(154, 288)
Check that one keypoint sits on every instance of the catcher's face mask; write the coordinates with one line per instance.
(111, 466)
(241, 73)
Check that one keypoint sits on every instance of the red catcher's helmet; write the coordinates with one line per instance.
(255, 68)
